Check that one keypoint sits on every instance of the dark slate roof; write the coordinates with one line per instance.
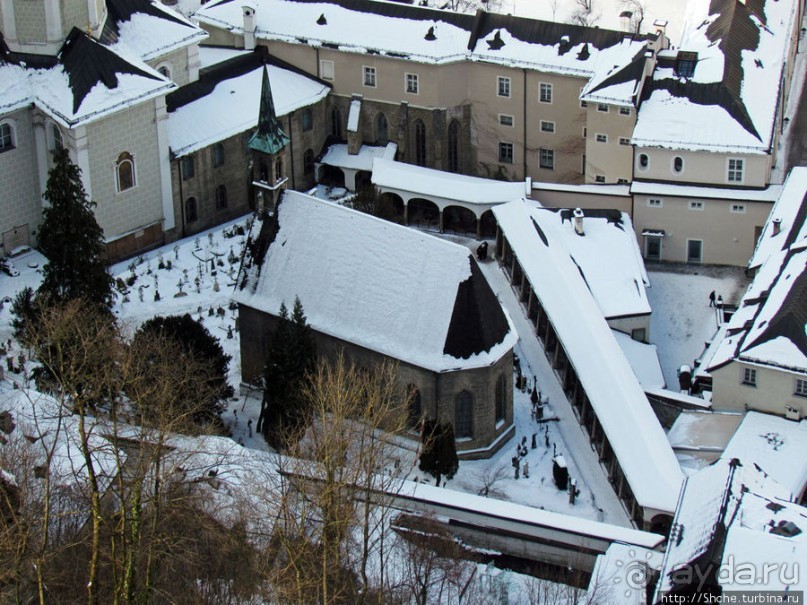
(547, 33)
(790, 319)
(88, 63)
(632, 72)
(237, 66)
(24, 59)
(734, 32)
(398, 10)
(477, 321)
(120, 11)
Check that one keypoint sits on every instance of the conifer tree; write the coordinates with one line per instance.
(439, 454)
(72, 240)
(291, 357)
(197, 347)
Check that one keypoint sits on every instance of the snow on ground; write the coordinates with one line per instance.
(682, 321)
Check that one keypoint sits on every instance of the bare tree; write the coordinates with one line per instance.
(341, 478)
(634, 11)
(583, 13)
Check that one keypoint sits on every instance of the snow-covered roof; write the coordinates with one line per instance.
(382, 286)
(209, 56)
(703, 431)
(618, 83)
(225, 101)
(611, 579)
(147, 29)
(643, 358)
(591, 189)
(430, 183)
(85, 82)
(768, 328)
(790, 214)
(775, 445)
(769, 194)
(607, 256)
(730, 101)
(429, 35)
(737, 505)
(615, 394)
(338, 155)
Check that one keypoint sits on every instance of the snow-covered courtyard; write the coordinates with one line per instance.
(198, 274)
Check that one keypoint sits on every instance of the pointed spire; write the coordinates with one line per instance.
(269, 138)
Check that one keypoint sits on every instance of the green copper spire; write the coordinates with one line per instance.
(269, 138)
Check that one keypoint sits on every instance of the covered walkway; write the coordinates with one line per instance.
(444, 201)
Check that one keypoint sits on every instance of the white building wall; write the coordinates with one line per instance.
(773, 391)
(20, 202)
(134, 131)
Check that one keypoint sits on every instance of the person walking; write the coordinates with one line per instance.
(712, 299)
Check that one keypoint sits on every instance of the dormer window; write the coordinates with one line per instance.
(685, 64)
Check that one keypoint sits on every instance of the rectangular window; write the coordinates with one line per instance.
(545, 93)
(505, 120)
(655, 203)
(602, 138)
(749, 377)
(326, 71)
(622, 181)
(547, 158)
(547, 126)
(599, 178)
(369, 76)
(6, 137)
(583, 164)
(738, 208)
(696, 205)
(624, 141)
(624, 111)
(585, 132)
(602, 107)
(188, 167)
(735, 171)
(583, 104)
(503, 86)
(506, 153)
(412, 85)
(801, 387)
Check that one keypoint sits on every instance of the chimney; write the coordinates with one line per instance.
(248, 9)
(577, 219)
(777, 226)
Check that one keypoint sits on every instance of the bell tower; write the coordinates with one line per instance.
(268, 153)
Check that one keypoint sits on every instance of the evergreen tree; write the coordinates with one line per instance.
(195, 342)
(438, 456)
(291, 357)
(72, 241)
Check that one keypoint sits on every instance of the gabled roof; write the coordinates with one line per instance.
(775, 445)
(428, 35)
(225, 100)
(768, 328)
(84, 82)
(147, 29)
(382, 286)
(617, 398)
(89, 64)
(787, 221)
(730, 101)
(726, 509)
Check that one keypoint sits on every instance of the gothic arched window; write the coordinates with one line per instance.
(191, 214)
(454, 132)
(381, 129)
(464, 415)
(501, 398)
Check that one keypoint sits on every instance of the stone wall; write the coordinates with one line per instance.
(438, 390)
